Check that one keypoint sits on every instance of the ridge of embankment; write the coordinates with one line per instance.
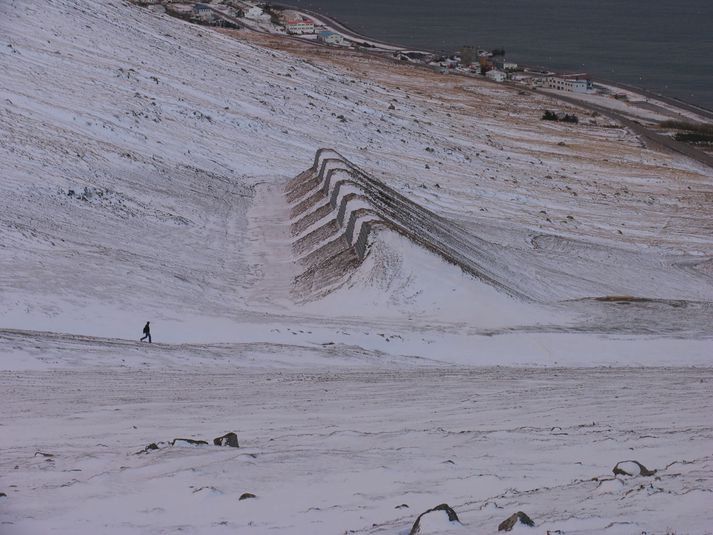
(335, 206)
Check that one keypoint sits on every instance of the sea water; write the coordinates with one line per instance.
(664, 46)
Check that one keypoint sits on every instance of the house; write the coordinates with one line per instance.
(299, 25)
(496, 75)
(574, 83)
(204, 13)
(330, 38)
(509, 66)
(254, 12)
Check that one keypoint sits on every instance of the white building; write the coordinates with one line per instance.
(574, 83)
(509, 66)
(496, 75)
(299, 26)
(330, 38)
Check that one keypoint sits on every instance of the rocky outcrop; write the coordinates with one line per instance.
(444, 508)
(516, 518)
(150, 447)
(229, 439)
(632, 469)
(188, 441)
(246, 496)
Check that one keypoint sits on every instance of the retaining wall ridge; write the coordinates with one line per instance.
(335, 190)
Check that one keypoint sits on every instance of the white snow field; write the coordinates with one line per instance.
(147, 171)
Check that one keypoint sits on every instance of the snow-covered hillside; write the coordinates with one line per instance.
(142, 156)
(144, 164)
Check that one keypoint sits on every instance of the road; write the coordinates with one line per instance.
(704, 112)
(649, 136)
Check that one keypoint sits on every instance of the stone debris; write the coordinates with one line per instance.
(632, 469)
(150, 447)
(229, 439)
(190, 441)
(516, 518)
(452, 517)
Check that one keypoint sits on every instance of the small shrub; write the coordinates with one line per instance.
(561, 117)
(570, 118)
(693, 137)
(700, 128)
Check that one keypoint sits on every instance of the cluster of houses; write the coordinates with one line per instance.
(493, 66)
(244, 13)
(221, 15)
(490, 64)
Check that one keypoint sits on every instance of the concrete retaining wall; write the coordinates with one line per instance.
(320, 194)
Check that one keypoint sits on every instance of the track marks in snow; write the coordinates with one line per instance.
(340, 450)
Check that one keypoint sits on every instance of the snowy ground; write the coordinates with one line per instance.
(338, 442)
(143, 167)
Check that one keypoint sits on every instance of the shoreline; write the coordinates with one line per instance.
(349, 32)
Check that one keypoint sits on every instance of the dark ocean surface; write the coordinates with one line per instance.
(664, 46)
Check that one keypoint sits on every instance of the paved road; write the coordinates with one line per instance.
(704, 112)
(649, 136)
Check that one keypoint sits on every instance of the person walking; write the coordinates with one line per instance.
(147, 332)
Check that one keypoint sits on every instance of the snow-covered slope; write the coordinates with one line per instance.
(142, 156)
(143, 169)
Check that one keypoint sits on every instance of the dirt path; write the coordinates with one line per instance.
(271, 247)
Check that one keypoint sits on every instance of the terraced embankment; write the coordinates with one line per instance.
(335, 207)
(338, 211)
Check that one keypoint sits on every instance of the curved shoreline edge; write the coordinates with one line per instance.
(650, 93)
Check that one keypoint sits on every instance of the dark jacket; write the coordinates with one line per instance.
(147, 329)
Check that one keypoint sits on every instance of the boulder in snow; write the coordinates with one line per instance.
(632, 468)
(436, 519)
(515, 519)
(150, 447)
(229, 439)
(188, 442)
(246, 496)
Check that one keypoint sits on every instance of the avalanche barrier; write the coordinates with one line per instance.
(335, 207)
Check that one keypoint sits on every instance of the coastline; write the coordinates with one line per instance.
(353, 34)
(642, 113)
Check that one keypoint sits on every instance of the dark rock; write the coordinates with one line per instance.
(152, 446)
(3, 495)
(402, 506)
(246, 496)
(189, 441)
(452, 517)
(229, 439)
(509, 523)
(643, 471)
(43, 454)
